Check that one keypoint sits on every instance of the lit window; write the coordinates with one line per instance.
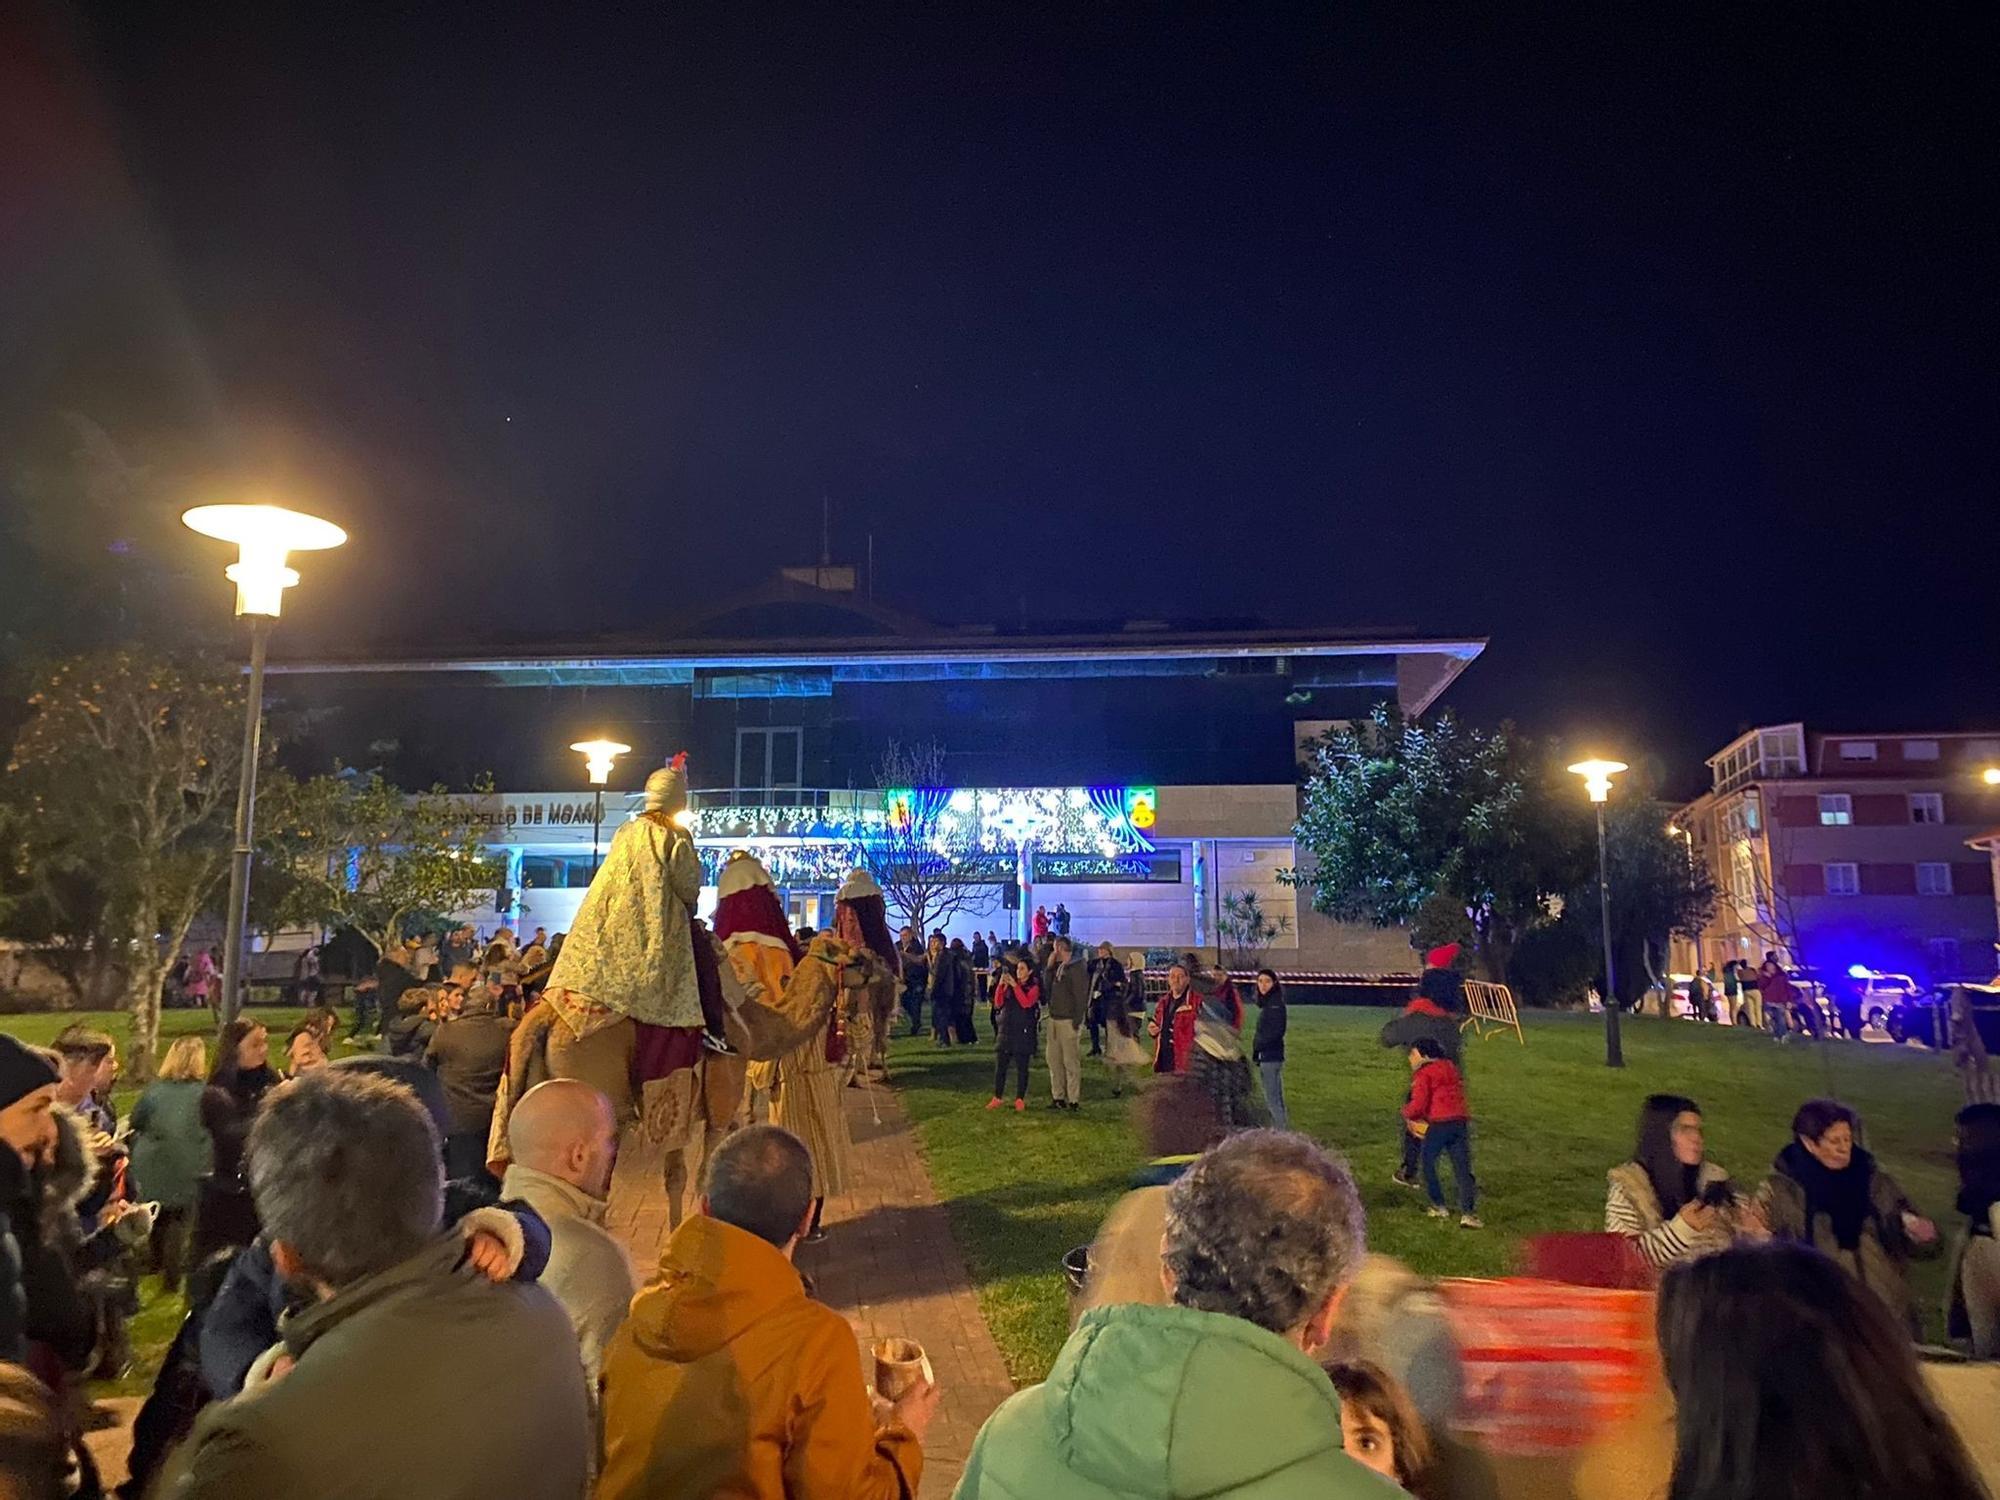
(1843, 880)
(1927, 807)
(1836, 809)
(1934, 880)
(1783, 754)
(1920, 749)
(1857, 749)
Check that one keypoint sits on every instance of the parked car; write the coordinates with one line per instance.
(1681, 1007)
(1879, 998)
(1925, 1018)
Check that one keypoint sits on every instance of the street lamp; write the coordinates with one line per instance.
(597, 758)
(1991, 775)
(264, 535)
(1597, 776)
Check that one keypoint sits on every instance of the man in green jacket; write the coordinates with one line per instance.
(1217, 1395)
(411, 1374)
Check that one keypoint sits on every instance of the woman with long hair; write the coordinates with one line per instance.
(1975, 1279)
(171, 1152)
(1792, 1382)
(242, 1075)
(1825, 1191)
(1670, 1200)
(1017, 1008)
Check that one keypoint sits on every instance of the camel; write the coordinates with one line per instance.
(688, 1112)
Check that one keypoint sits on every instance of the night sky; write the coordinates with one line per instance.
(1656, 343)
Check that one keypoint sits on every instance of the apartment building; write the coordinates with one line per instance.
(1845, 850)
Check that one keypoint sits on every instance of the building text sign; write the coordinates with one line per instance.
(522, 813)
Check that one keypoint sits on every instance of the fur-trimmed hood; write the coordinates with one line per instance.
(71, 1168)
(65, 1177)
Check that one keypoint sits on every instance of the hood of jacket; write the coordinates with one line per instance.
(445, 1256)
(714, 1281)
(550, 1196)
(1167, 1401)
(69, 1171)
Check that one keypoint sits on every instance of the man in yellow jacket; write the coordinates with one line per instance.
(727, 1380)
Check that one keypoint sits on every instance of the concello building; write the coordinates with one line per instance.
(1141, 774)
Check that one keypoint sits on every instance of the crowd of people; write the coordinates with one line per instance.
(1770, 996)
(1046, 996)
(371, 1311)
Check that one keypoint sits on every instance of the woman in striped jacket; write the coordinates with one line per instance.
(1671, 1201)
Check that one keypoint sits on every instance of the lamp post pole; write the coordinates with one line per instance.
(1614, 1045)
(238, 911)
(1597, 776)
(596, 830)
(264, 536)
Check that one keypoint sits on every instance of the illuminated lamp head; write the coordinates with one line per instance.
(1597, 776)
(598, 756)
(264, 536)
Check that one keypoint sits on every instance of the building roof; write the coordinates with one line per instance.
(787, 625)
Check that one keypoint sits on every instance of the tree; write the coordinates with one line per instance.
(352, 850)
(1656, 892)
(1248, 930)
(1440, 920)
(60, 913)
(1394, 811)
(926, 860)
(124, 776)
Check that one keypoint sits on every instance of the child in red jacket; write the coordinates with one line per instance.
(1437, 1112)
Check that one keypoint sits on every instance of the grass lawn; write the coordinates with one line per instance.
(160, 1311)
(1549, 1119)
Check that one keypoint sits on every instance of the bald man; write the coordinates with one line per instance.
(563, 1141)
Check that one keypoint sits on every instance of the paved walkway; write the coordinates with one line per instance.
(888, 1264)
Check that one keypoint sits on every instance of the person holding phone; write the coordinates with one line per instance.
(1669, 1199)
(1017, 1009)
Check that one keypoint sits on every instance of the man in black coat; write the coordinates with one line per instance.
(1107, 992)
(470, 1055)
(916, 978)
(957, 956)
(945, 994)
